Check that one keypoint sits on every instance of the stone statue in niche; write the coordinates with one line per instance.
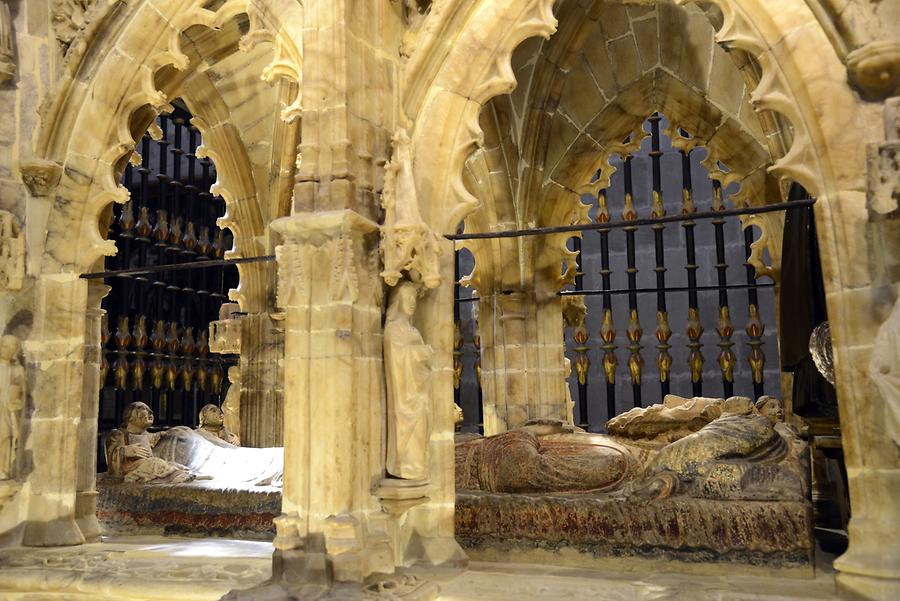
(7, 64)
(130, 451)
(407, 363)
(739, 450)
(12, 399)
(407, 243)
(231, 406)
(212, 425)
(12, 252)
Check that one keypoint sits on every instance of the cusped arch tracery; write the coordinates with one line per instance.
(446, 109)
(90, 124)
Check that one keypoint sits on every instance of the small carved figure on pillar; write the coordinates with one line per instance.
(12, 252)
(231, 406)
(212, 425)
(12, 395)
(7, 62)
(407, 366)
(129, 451)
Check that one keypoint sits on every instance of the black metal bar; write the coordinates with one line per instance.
(581, 335)
(633, 332)
(724, 329)
(694, 329)
(607, 333)
(755, 327)
(663, 331)
(179, 267)
(542, 231)
(654, 290)
(619, 291)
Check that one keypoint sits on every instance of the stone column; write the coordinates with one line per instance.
(331, 527)
(55, 363)
(262, 367)
(86, 478)
(865, 322)
(522, 360)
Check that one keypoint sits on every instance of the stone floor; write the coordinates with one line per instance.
(152, 568)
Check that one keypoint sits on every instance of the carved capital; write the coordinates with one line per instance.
(41, 177)
(874, 69)
(330, 248)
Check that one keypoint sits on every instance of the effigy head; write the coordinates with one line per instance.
(211, 415)
(771, 408)
(138, 415)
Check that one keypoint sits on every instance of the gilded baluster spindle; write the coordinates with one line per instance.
(158, 346)
(476, 342)
(663, 358)
(635, 360)
(138, 365)
(695, 357)
(123, 341)
(608, 336)
(756, 359)
(457, 356)
(171, 374)
(602, 208)
(217, 375)
(726, 357)
(582, 361)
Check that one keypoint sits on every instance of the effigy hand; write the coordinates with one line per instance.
(137, 451)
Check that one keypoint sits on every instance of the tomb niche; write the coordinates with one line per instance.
(169, 417)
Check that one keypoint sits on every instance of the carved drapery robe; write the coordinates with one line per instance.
(142, 470)
(12, 380)
(408, 373)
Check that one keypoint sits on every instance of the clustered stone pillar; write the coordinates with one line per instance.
(865, 322)
(331, 527)
(520, 321)
(262, 396)
(523, 360)
(55, 363)
(86, 483)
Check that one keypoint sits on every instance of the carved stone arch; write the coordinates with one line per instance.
(93, 96)
(120, 71)
(800, 78)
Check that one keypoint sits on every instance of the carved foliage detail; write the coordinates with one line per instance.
(68, 17)
(293, 277)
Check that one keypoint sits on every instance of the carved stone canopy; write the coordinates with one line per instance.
(40, 176)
